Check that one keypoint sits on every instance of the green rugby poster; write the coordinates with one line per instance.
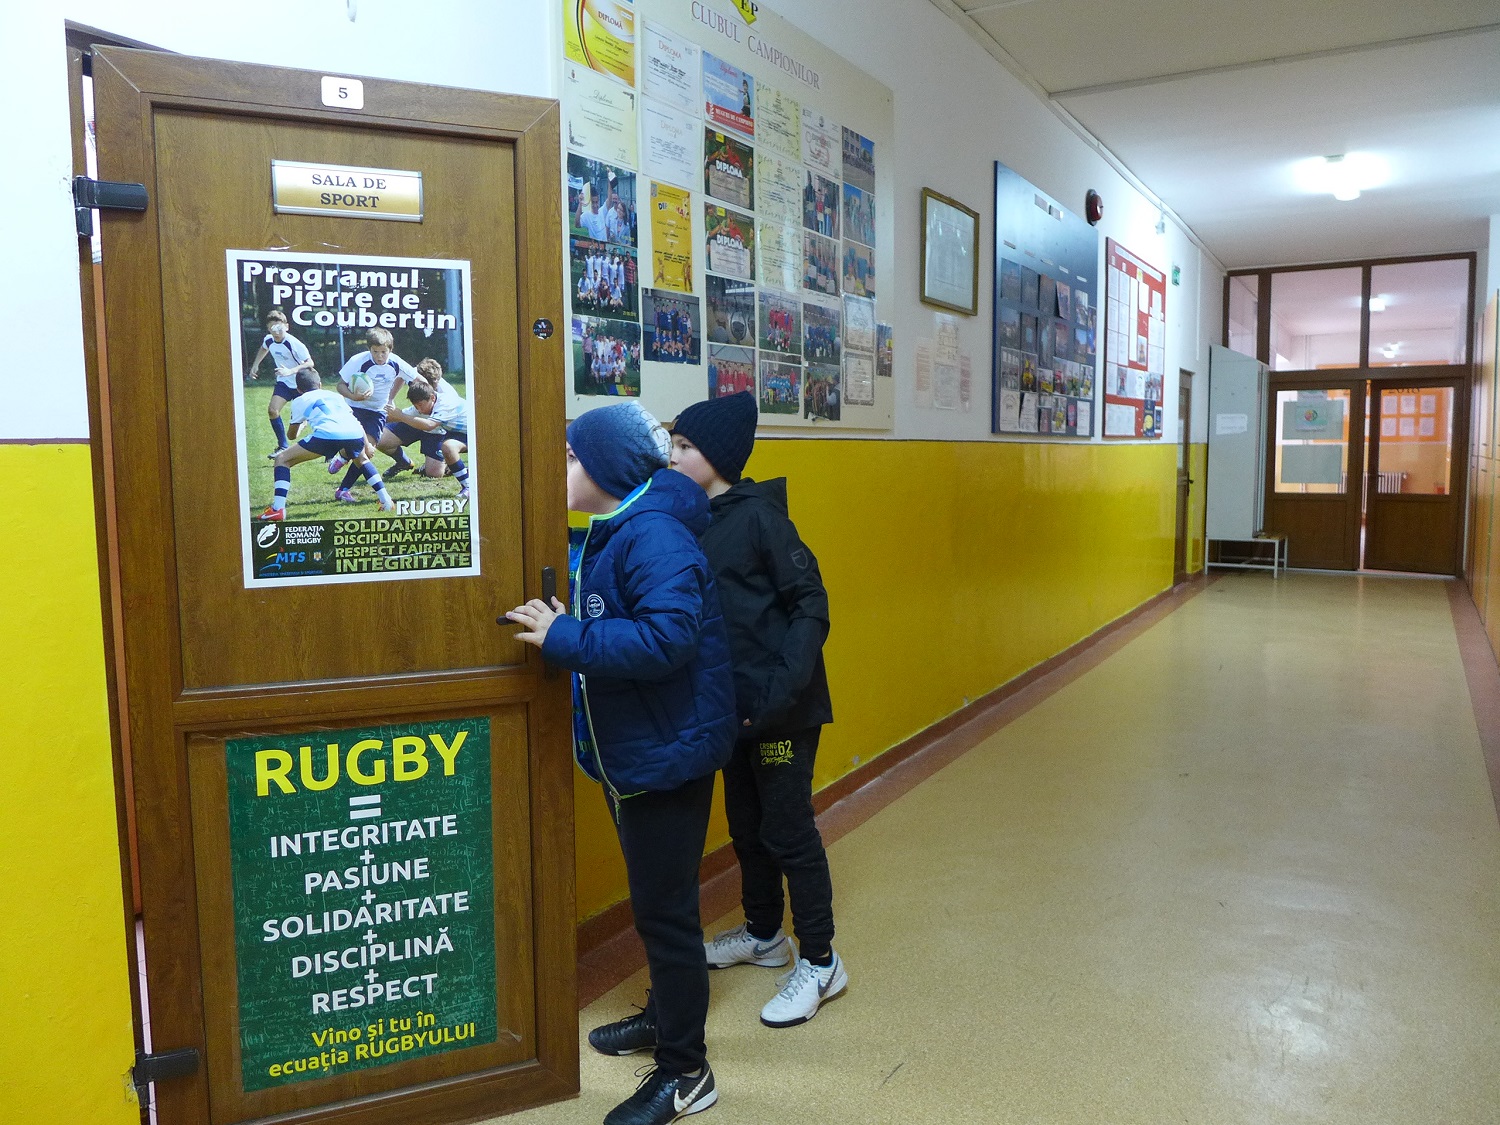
(364, 909)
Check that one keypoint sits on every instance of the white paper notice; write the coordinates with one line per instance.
(780, 256)
(965, 380)
(1010, 411)
(673, 143)
(1085, 419)
(822, 144)
(1231, 423)
(1028, 412)
(859, 323)
(600, 116)
(778, 121)
(859, 379)
(671, 68)
(923, 380)
(778, 190)
(1119, 421)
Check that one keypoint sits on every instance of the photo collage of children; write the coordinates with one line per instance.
(1046, 348)
(789, 220)
(604, 276)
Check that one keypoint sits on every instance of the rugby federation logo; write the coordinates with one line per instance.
(593, 605)
(267, 534)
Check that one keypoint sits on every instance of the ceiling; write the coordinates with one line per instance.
(1210, 103)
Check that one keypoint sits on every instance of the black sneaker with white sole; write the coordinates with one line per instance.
(663, 1097)
(626, 1036)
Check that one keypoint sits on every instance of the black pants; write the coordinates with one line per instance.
(662, 836)
(768, 800)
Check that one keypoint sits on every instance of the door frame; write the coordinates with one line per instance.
(1460, 379)
(1352, 380)
(147, 701)
(1180, 560)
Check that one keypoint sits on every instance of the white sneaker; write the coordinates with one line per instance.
(803, 991)
(740, 947)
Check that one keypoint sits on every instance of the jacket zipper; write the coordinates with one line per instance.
(583, 682)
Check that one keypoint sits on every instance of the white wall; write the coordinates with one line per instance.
(506, 45)
(957, 111)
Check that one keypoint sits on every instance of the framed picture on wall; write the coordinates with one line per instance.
(950, 254)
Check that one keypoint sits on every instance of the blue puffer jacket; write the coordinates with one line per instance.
(654, 694)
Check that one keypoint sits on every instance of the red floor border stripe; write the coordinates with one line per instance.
(1483, 676)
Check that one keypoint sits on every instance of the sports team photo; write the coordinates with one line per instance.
(780, 323)
(822, 333)
(673, 331)
(605, 279)
(606, 357)
(730, 370)
(780, 387)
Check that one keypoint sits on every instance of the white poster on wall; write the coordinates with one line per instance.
(672, 145)
(671, 68)
(599, 116)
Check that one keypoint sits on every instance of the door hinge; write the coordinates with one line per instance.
(161, 1066)
(103, 194)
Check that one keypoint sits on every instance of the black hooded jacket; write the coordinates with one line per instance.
(775, 606)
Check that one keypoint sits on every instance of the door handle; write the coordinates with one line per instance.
(549, 593)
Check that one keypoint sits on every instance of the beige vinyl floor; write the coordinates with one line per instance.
(1247, 870)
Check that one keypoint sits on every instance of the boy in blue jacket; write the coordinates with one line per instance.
(653, 719)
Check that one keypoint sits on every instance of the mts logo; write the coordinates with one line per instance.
(284, 557)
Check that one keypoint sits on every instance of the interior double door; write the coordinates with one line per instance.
(1366, 471)
(352, 794)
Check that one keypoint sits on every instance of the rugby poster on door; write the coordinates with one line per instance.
(353, 393)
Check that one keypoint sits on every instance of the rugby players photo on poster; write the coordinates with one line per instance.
(353, 425)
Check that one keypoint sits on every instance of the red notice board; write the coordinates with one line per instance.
(1135, 338)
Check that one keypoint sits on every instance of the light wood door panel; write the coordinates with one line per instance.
(206, 665)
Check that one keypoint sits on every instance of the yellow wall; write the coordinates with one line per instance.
(65, 1038)
(951, 568)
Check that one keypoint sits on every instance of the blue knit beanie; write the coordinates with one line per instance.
(723, 429)
(620, 446)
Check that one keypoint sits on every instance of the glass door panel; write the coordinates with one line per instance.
(1414, 513)
(1314, 471)
(1312, 442)
(1416, 441)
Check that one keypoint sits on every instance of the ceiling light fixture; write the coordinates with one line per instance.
(1377, 304)
(1343, 176)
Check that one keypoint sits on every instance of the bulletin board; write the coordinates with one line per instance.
(729, 214)
(1046, 301)
(1135, 345)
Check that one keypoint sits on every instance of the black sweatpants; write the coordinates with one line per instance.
(768, 800)
(662, 836)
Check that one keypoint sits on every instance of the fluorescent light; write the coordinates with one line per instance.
(1343, 176)
(1377, 304)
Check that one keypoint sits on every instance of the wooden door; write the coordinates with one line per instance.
(1315, 470)
(353, 790)
(1417, 460)
(1184, 467)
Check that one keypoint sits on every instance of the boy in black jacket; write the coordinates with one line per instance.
(777, 611)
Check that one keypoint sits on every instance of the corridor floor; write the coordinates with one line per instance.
(1246, 870)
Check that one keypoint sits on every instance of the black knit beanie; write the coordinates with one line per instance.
(723, 429)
